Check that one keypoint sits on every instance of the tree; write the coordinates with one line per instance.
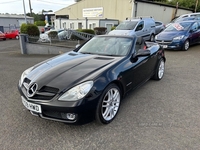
(185, 3)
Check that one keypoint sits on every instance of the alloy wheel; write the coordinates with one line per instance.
(161, 69)
(110, 104)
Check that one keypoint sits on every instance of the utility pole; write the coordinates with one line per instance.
(30, 8)
(24, 12)
(196, 5)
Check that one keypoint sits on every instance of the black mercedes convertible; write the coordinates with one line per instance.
(90, 81)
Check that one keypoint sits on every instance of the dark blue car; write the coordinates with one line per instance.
(180, 35)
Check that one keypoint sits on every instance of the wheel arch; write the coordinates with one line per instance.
(119, 84)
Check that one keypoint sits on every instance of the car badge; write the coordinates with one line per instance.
(32, 90)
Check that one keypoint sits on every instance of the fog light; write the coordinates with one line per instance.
(71, 116)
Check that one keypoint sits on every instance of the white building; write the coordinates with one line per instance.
(89, 13)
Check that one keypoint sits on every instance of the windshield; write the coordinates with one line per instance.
(182, 26)
(127, 25)
(114, 46)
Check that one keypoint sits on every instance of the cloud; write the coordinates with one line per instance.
(16, 6)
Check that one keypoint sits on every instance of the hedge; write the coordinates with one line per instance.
(52, 34)
(100, 30)
(30, 29)
(39, 23)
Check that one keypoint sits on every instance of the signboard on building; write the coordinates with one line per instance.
(93, 12)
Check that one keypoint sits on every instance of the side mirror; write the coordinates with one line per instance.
(142, 53)
(193, 30)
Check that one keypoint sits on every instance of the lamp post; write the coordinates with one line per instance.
(24, 12)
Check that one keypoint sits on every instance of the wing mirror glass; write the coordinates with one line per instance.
(142, 52)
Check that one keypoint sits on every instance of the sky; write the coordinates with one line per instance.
(16, 6)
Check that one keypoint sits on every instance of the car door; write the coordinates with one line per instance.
(139, 70)
(194, 33)
(139, 30)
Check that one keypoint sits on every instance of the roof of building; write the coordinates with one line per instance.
(14, 16)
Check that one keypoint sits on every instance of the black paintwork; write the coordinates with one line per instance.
(67, 70)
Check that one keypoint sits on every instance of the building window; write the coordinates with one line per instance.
(94, 25)
(90, 26)
(64, 25)
(71, 25)
(80, 25)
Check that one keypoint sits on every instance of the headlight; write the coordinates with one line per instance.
(77, 92)
(178, 37)
(24, 74)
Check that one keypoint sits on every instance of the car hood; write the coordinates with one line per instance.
(69, 69)
(165, 35)
(120, 32)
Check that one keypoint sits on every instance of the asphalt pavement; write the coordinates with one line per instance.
(160, 115)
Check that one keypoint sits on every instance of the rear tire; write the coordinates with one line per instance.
(186, 45)
(108, 105)
(160, 70)
(4, 39)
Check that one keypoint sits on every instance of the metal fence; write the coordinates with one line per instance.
(67, 41)
(55, 42)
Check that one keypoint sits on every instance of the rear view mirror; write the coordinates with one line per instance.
(142, 52)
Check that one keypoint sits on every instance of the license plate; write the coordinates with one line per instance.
(164, 46)
(31, 106)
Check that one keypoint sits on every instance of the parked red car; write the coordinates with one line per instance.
(2, 36)
(13, 34)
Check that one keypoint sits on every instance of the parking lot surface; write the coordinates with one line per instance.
(160, 115)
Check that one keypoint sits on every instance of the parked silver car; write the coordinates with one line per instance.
(141, 27)
(159, 26)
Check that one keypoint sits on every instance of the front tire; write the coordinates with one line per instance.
(186, 45)
(108, 105)
(152, 38)
(160, 70)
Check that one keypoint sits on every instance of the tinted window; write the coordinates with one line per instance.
(127, 25)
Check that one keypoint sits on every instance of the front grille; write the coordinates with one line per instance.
(45, 93)
(52, 114)
(164, 42)
(49, 89)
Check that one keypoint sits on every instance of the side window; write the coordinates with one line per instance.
(140, 26)
(195, 26)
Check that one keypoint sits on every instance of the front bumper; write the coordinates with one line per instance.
(173, 45)
(55, 110)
